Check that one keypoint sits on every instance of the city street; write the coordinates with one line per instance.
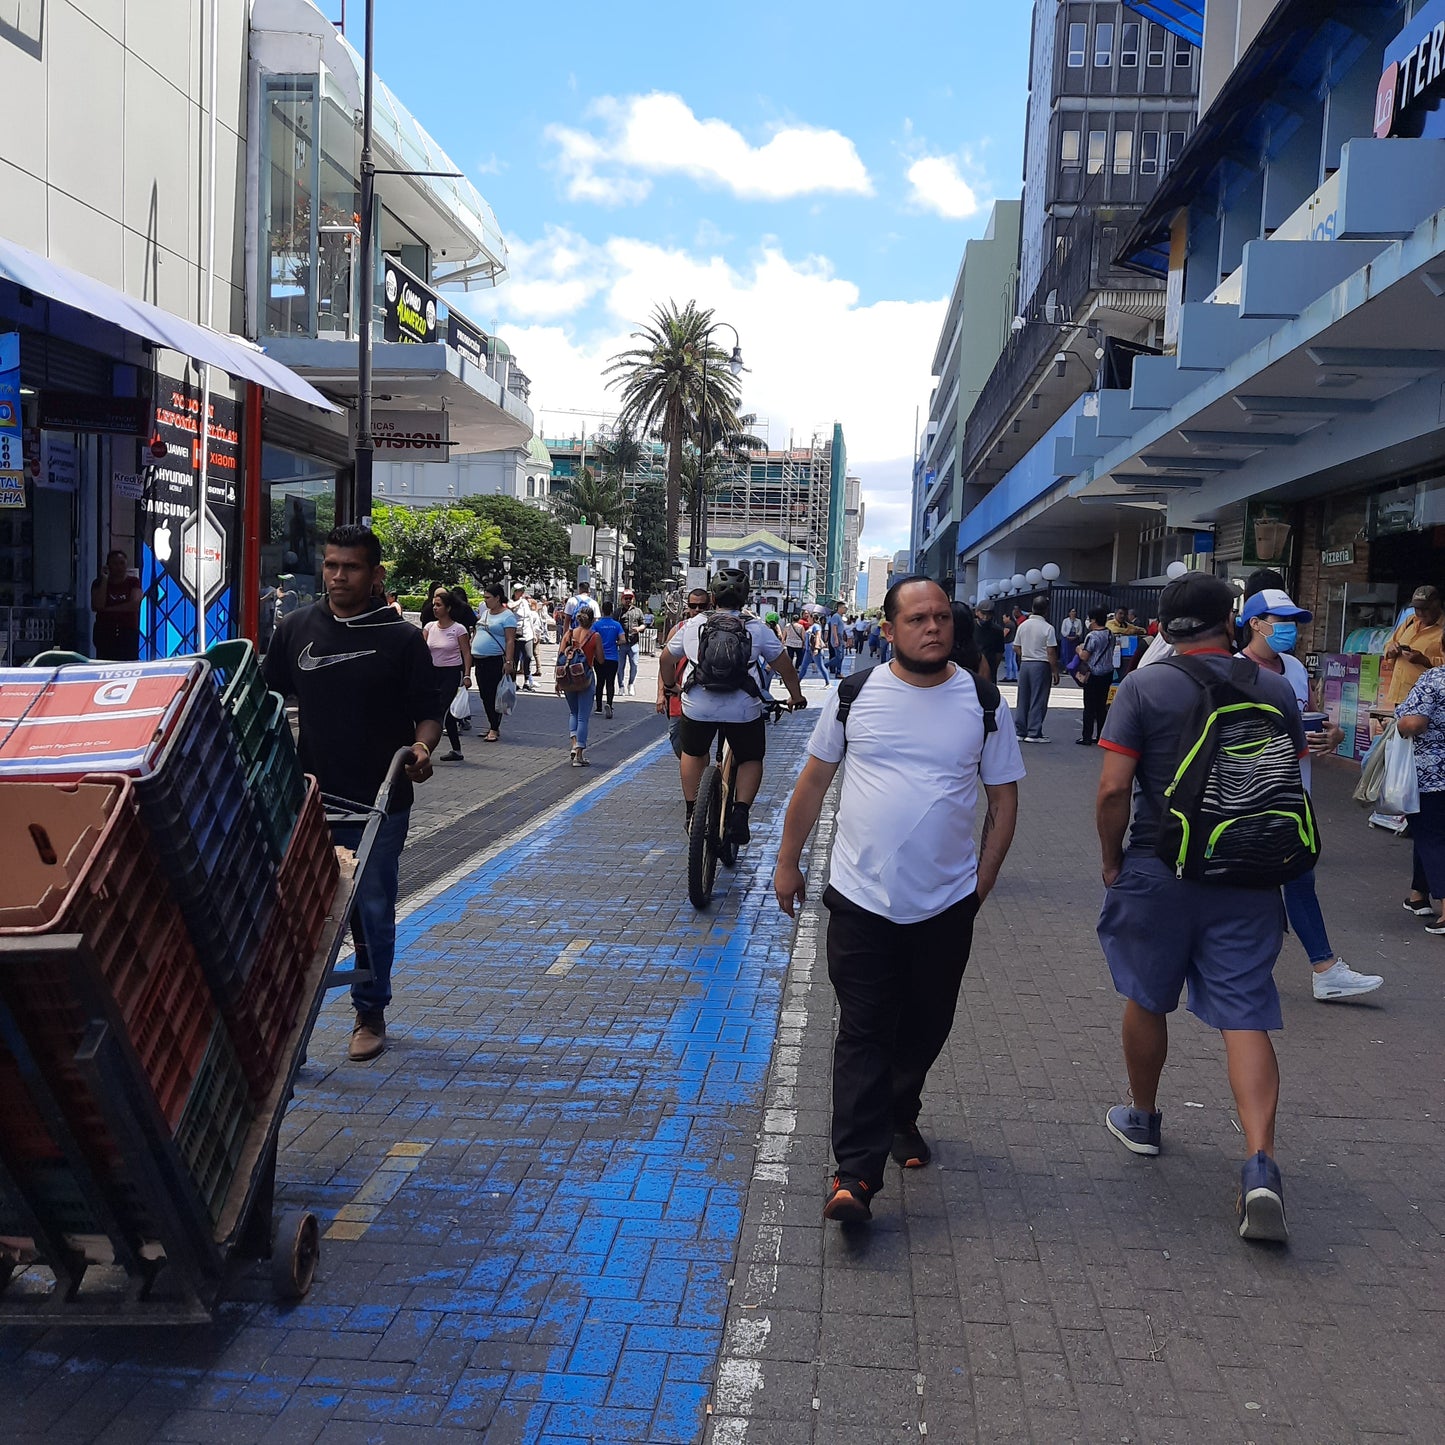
(579, 1197)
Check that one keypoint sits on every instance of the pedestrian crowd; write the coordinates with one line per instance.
(1208, 839)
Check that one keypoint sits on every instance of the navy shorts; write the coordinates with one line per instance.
(1160, 932)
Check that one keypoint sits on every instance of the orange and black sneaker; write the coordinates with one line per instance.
(847, 1203)
(910, 1149)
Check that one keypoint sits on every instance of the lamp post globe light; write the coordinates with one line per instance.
(1019, 581)
(1050, 571)
(1033, 577)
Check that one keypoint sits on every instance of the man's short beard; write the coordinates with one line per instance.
(918, 664)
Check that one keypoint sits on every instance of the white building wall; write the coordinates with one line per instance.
(482, 474)
(104, 160)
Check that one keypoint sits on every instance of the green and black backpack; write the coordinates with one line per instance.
(1236, 811)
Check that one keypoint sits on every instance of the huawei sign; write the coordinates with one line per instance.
(1385, 99)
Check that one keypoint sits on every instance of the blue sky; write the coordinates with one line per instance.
(811, 171)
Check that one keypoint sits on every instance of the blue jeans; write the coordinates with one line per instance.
(627, 665)
(374, 917)
(579, 708)
(1305, 919)
(811, 658)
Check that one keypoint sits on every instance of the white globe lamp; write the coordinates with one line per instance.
(1050, 571)
(1020, 581)
(1033, 577)
(1176, 570)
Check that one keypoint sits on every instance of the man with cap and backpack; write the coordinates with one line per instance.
(1208, 747)
(721, 692)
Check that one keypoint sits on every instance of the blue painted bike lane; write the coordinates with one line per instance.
(531, 1203)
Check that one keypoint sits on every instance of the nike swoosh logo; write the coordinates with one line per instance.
(309, 662)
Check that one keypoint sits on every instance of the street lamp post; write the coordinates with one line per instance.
(735, 365)
(364, 454)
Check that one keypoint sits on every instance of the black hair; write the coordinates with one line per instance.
(353, 536)
(494, 589)
(1261, 579)
(607, 609)
(965, 650)
(890, 597)
(1040, 604)
(458, 604)
(1099, 615)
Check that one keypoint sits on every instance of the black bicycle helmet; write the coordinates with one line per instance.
(730, 587)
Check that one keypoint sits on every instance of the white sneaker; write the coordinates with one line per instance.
(1339, 980)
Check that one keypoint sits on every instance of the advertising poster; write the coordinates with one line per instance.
(183, 556)
(12, 446)
(1332, 692)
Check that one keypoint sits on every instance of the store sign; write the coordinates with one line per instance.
(75, 411)
(59, 464)
(127, 486)
(410, 313)
(1414, 76)
(178, 428)
(12, 440)
(467, 339)
(1338, 556)
(203, 556)
(412, 436)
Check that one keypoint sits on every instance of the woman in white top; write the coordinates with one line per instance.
(494, 652)
(446, 640)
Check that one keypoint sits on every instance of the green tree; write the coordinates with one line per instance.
(661, 382)
(440, 543)
(597, 498)
(647, 526)
(534, 539)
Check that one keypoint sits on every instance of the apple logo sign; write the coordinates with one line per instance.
(161, 542)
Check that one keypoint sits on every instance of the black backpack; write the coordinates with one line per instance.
(848, 690)
(724, 656)
(1236, 811)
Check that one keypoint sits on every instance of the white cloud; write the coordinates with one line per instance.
(815, 353)
(938, 185)
(658, 134)
(554, 277)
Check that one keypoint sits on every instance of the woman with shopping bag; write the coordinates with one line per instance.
(494, 652)
(446, 640)
(1421, 720)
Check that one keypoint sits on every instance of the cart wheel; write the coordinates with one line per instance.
(294, 1254)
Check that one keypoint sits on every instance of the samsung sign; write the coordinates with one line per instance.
(1408, 101)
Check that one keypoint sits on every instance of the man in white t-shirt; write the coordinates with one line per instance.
(526, 634)
(737, 711)
(1038, 649)
(582, 598)
(906, 880)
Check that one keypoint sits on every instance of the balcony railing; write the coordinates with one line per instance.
(1082, 263)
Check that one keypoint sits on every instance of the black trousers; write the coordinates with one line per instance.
(449, 679)
(897, 988)
(606, 680)
(1427, 834)
(1096, 704)
(488, 672)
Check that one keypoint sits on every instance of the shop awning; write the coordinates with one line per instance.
(140, 318)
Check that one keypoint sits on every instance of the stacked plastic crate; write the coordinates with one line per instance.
(148, 812)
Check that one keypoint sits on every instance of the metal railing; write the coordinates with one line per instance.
(1083, 262)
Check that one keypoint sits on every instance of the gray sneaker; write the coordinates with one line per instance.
(1136, 1129)
(1340, 981)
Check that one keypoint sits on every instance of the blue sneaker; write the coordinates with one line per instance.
(1136, 1129)
(1261, 1200)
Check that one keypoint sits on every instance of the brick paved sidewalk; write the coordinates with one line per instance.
(1037, 1283)
(531, 1202)
(578, 1200)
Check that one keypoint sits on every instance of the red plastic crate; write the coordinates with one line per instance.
(109, 889)
(309, 875)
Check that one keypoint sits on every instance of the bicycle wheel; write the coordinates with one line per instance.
(702, 839)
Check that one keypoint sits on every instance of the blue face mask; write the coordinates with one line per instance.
(1283, 636)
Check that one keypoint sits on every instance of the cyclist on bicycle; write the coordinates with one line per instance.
(721, 691)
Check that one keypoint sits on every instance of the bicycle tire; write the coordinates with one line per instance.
(702, 840)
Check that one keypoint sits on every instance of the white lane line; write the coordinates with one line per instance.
(741, 1369)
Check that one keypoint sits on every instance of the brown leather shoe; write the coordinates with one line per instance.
(368, 1037)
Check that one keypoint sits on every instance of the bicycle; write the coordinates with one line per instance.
(709, 836)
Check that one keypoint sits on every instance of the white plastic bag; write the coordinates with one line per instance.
(506, 695)
(1400, 792)
(461, 704)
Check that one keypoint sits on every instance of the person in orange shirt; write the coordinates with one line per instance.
(1416, 645)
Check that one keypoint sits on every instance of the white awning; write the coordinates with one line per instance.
(83, 293)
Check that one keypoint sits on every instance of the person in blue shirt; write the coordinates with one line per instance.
(609, 632)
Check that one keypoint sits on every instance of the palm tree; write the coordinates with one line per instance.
(662, 389)
(587, 497)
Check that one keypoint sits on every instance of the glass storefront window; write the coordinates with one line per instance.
(298, 509)
(289, 238)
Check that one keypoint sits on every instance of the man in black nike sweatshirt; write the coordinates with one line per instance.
(365, 687)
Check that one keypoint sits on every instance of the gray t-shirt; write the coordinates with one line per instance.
(1147, 720)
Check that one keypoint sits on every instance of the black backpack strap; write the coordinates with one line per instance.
(989, 698)
(848, 690)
